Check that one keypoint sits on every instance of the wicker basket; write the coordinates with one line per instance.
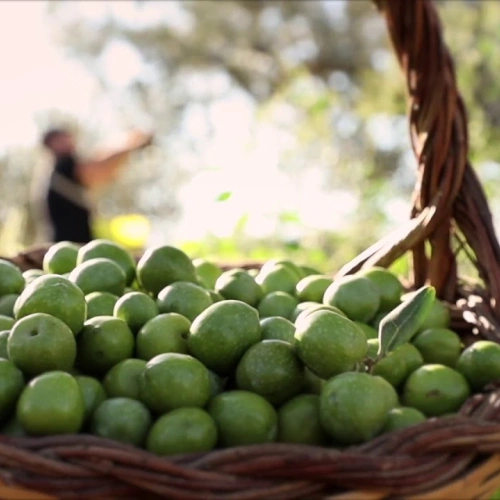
(452, 457)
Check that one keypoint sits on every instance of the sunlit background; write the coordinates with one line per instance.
(280, 126)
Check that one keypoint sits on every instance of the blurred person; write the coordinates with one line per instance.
(71, 180)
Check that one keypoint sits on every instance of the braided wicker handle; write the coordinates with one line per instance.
(448, 196)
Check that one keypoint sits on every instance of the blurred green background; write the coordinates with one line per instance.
(281, 126)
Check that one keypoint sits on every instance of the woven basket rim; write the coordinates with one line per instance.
(416, 460)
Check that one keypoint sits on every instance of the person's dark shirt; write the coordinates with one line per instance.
(70, 220)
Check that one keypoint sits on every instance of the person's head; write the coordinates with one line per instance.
(59, 141)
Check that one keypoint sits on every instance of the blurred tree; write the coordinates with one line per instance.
(311, 57)
(320, 73)
(259, 44)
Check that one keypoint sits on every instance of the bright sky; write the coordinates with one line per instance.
(36, 76)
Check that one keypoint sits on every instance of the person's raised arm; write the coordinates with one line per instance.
(105, 169)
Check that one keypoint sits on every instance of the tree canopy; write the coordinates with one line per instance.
(319, 76)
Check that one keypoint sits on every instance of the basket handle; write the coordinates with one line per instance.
(448, 195)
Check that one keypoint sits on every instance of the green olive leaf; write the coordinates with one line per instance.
(224, 196)
(401, 324)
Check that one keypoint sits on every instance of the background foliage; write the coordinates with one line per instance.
(315, 88)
